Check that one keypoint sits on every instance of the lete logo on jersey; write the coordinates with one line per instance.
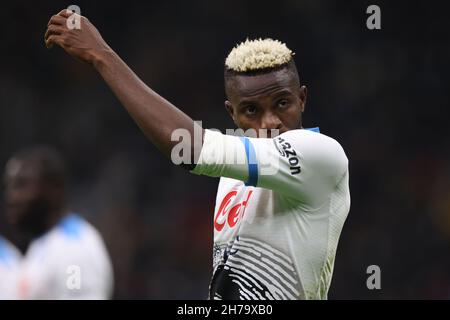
(232, 215)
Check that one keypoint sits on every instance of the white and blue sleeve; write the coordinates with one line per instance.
(300, 164)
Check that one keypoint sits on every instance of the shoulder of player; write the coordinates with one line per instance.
(300, 135)
(3, 243)
(316, 150)
(8, 251)
(309, 141)
(74, 228)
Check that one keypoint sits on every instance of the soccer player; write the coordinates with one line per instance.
(57, 255)
(278, 214)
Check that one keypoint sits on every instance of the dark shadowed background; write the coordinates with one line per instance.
(384, 95)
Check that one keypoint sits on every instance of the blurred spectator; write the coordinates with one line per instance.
(59, 255)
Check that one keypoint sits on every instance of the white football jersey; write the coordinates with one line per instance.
(276, 235)
(68, 262)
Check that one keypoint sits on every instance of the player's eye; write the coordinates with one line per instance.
(250, 110)
(283, 103)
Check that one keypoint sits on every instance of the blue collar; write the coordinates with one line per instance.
(314, 129)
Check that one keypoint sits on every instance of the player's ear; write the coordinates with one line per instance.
(230, 110)
(302, 94)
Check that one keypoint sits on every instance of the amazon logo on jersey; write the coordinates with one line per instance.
(285, 149)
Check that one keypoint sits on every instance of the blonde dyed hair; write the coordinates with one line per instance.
(258, 54)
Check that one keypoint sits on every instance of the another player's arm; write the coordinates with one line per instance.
(156, 117)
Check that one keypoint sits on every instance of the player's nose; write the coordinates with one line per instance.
(270, 121)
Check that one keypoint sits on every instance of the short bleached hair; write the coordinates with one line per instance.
(258, 54)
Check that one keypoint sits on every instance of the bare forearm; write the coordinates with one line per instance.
(156, 117)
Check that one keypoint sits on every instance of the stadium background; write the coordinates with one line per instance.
(383, 94)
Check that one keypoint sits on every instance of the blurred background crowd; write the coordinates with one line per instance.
(383, 94)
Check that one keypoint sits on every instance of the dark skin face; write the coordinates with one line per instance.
(268, 101)
(33, 205)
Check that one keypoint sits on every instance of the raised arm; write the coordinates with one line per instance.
(156, 117)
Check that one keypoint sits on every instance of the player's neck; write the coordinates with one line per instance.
(24, 237)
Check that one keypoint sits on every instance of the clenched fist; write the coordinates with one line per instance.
(84, 42)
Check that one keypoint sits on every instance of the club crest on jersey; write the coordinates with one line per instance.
(285, 149)
(230, 214)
